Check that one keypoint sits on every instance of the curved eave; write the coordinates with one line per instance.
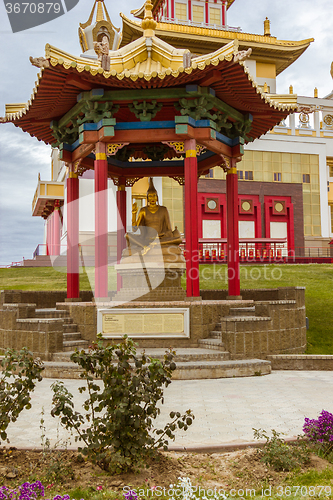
(58, 86)
(205, 40)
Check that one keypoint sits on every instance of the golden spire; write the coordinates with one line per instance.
(315, 92)
(267, 27)
(99, 15)
(148, 23)
(291, 89)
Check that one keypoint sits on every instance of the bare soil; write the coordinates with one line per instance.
(66, 469)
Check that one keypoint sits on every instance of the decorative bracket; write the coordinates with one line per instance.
(145, 110)
(113, 148)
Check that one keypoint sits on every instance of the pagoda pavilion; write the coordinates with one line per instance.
(143, 96)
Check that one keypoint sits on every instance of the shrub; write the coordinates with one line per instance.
(280, 455)
(320, 431)
(118, 429)
(20, 372)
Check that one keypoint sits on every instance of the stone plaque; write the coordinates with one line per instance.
(143, 323)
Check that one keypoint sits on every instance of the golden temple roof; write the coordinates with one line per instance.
(204, 40)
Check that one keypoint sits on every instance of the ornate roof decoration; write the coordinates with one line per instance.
(148, 23)
(91, 31)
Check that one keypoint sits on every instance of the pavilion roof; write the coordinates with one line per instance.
(144, 66)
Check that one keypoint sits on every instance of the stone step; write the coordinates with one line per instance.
(222, 369)
(182, 354)
(193, 370)
(244, 318)
(51, 313)
(70, 327)
(215, 334)
(71, 345)
(211, 343)
(72, 336)
(242, 311)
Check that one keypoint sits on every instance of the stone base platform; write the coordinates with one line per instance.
(192, 364)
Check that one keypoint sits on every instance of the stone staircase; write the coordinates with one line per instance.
(214, 341)
(72, 337)
(209, 360)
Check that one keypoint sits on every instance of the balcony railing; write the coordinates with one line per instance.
(199, 25)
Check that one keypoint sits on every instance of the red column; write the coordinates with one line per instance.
(224, 13)
(189, 10)
(73, 289)
(56, 227)
(121, 225)
(206, 12)
(48, 228)
(51, 233)
(101, 221)
(191, 219)
(172, 9)
(232, 232)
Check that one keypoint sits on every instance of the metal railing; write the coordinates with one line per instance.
(199, 25)
(215, 250)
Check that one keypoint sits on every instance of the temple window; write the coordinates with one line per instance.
(197, 13)
(215, 16)
(277, 177)
(246, 175)
(181, 11)
(306, 178)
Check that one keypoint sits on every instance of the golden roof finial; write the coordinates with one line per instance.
(100, 14)
(315, 92)
(265, 87)
(291, 89)
(267, 27)
(148, 23)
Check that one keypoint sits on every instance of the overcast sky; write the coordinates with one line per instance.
(23, 157)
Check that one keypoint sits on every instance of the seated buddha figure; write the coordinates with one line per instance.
(152, 226)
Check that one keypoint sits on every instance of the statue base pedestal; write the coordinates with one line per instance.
(150, 282)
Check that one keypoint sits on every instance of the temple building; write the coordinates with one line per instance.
(285, 176)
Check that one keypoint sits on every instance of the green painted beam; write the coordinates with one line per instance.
(151, 94)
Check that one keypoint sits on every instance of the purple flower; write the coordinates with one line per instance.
(131, 495)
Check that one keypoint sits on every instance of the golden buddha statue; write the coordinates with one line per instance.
(152, 265)
(154, 226)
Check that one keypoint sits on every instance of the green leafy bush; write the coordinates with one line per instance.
(20, 372)
(118, 429)
(280, 455)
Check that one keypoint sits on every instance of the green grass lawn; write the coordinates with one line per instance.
(316, 278)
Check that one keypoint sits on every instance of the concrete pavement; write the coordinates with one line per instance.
(226, 410)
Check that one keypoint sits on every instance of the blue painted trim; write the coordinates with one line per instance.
(226, 140)
(70, 147)
(191, 88)
(144, 125)
(94, 92)
(89, 126)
